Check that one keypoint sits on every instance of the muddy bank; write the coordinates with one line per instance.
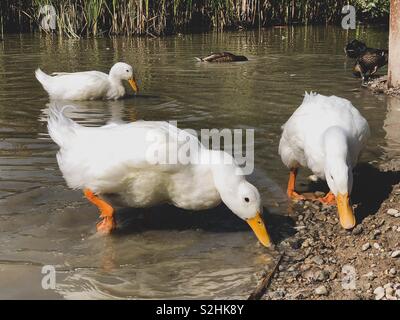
(324, 261)
(379, 85)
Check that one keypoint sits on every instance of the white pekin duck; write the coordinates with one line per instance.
(88, 85)
(326, 135)
(125, 164)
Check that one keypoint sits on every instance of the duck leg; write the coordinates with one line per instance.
(291, 186)
(374, 70)
(108, 223)
(329, 199)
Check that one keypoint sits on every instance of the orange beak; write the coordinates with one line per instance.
(345, 211)
(133, 84)
(258, 226)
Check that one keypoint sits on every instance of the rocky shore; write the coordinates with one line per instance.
(323, 261)
(379, 85)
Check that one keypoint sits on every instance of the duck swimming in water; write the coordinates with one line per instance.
(88, 85)
(222, 57)
(369, 62)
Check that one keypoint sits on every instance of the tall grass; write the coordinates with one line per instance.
(76, 18)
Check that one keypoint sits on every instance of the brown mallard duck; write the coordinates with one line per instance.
(369, 62)
(355, 48)
(222, 57)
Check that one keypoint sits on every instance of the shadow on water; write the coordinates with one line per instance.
(219, 219)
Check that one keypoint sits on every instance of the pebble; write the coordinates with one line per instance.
(377, 246)
(357, 230)
(370, 275)
(322, 291)
(393, 212)
(318, 260)
(392, 271)
(366, 246)
(395, 254)
(321, 275)
(375, 234)
(379, 293)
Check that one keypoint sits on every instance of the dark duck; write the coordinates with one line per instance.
(355, 48)
(222, 57)
(368, 60)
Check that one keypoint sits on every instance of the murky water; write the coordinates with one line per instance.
(162, 252)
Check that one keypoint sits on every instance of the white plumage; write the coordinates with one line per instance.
(88, 85)
(326, 135)
(302, 141)
(119, 162)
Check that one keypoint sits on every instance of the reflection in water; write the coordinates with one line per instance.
(164, 252)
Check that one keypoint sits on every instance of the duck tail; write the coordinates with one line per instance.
(199, 59)
(61, 128)
(42, 77)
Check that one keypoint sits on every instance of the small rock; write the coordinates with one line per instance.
(375, 234)
(323, 291)
(379, 293)
(321, 275)
(370, 275)
(357, 230)
(388, 285)
(366, 246)
(318, 260)
(392, 212)
(395, 254)
(377, 246)
(367, 286)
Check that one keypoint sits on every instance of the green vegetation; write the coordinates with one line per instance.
(77, 18)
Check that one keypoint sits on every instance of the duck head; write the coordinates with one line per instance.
(242, 198)
(355, 48)
(123, 71)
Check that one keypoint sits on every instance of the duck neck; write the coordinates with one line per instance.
(117, 89)
(335, 145)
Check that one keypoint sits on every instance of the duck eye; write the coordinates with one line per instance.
(127, 70)
(246, 199)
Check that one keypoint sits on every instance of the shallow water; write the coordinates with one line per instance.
(163, 252)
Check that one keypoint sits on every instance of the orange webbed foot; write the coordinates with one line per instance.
(329, 199)
(296, 196)
(106, 226)
(108, 223)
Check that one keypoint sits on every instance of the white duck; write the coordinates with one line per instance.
(126, 164)
(88, 85)
(325, 134)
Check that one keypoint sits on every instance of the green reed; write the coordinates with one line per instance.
(77, 18)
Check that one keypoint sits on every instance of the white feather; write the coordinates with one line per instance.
(113, 161)
(87, 85)
(302, 140)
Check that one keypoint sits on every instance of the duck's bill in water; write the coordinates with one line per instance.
(258, 226)
(345, 211)
(133, 84)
